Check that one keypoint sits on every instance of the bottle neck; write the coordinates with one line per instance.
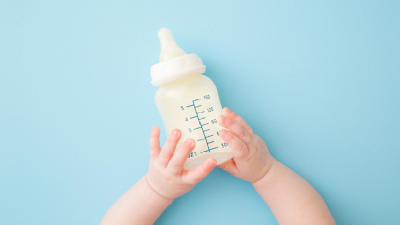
(182, 80)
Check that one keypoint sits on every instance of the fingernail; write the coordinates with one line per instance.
(175, 133)
(212, 162)
(228, 110)
(222, 118)
(154, 129)
(189, 142)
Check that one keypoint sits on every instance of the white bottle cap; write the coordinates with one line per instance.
(174, 62)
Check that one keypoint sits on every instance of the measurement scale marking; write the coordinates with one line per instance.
(193, 117)
(201, 126)
(196, 128)
(199, 122)
(201, 118)
(207, 130)
(210, 149)
(201, 112)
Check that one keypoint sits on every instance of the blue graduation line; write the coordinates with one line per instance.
(209, 150)
(201, 126)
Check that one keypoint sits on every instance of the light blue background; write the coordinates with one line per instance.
(318, 81)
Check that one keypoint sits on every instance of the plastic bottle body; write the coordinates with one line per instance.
(192, 105)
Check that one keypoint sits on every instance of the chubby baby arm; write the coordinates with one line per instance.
(165, 181)
(291, 198)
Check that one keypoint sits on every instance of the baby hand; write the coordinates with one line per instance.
(251, 158)
(166, 175)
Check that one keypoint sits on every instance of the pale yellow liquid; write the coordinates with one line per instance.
(192, 105)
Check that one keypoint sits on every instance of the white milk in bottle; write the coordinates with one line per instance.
(188, 101)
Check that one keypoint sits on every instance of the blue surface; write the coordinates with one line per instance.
(318, 81)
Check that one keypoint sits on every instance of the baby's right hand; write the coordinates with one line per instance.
(251, 159)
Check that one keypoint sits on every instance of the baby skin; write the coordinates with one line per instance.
(291, 198)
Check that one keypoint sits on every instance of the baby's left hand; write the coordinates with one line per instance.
(166, 175)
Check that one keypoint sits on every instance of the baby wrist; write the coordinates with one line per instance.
(154, 192)
(264, 177)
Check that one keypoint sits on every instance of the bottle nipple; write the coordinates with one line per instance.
(169, 48)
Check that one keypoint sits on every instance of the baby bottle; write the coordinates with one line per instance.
(187, 100)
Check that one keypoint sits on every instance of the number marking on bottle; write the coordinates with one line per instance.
(192, 154)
